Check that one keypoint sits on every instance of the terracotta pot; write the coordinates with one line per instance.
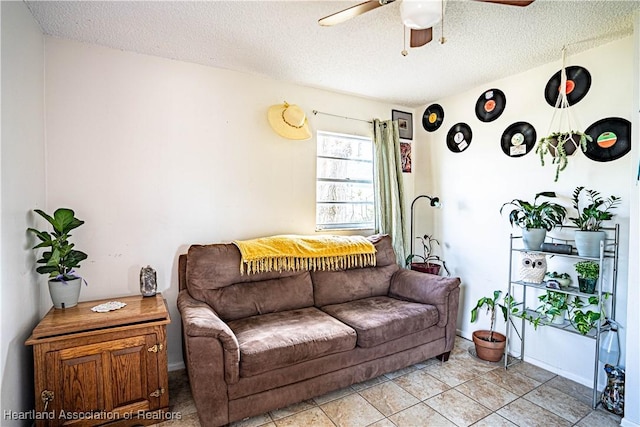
(487, 350)
(424, 267)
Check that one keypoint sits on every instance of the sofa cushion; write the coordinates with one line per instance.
(334, 287)
(381, 319)
(275, 340)
(266, 296)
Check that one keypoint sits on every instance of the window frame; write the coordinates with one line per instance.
(344, 226)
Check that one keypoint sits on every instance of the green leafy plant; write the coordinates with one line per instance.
(529, 215)
(587, 269)
(61, 259)
(555, 143)
(428, 245)
(585, 321)
(491, 304)
(553, 304)
(597, 209)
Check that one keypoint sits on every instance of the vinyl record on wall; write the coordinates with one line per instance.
(490, 105)
(459, 137)
(578, 84)
(611, 139)
(433, 117)
(518, 139)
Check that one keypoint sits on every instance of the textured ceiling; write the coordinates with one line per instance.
(282, 40)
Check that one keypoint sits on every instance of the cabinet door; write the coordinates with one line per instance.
(105, 380)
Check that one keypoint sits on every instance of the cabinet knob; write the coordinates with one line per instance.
(159, 392)
(156, 348)
(46, 396)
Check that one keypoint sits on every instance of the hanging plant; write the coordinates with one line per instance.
(563, 143)
(560, 145)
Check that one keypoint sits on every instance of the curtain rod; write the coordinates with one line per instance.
(316, 112)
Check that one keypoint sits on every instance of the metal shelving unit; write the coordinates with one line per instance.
(608, 253)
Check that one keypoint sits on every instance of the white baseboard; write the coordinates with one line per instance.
(176, 366)
(627, 423)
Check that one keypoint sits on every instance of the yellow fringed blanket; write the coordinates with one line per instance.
(290, 252)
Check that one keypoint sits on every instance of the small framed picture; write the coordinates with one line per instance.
(405, 123)
(405, 156)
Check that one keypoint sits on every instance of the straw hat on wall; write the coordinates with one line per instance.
(289, 121)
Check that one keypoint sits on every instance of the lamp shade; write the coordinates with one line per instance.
(421, 14)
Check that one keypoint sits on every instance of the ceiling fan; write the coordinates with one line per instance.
(418, 15)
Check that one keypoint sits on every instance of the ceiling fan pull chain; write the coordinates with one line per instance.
(404, 43)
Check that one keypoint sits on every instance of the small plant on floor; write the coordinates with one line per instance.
(491, 304)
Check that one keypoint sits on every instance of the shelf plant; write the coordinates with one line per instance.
(588, 274)
(560, 145)
(430, 263)
(535, 219)
(585, 321)
(589, 219)
(554, 306)
(60, 259)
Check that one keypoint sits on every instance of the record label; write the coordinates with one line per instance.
(490, 105)
(432, 118)
(459, 137)
(518, 139)
(611, 139)
(576, 88)
(607, 139)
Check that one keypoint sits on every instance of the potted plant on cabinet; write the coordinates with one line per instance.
(430, 263)
(560, 145)
(489, 343)
(61, 259)
(535, 219)
(588, 274)
(589, 220)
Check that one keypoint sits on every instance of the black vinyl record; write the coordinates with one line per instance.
(459, 137)
(433, 117)
(578, 84)
(518, 139)
(611, 139)
(490, 105)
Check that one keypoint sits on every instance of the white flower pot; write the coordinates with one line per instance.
(588, 242)
(533, 238)
(65, 295)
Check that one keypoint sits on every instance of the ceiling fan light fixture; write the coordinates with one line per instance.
(420, 14)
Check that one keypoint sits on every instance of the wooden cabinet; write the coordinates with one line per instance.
(98, 368)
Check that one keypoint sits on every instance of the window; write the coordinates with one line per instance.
(344, 182)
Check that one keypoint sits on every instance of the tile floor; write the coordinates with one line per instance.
(464, 391)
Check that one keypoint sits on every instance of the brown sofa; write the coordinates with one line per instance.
(254, 343)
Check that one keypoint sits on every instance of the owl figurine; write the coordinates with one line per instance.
(533, 267)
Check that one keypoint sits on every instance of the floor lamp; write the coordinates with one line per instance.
(433, 201)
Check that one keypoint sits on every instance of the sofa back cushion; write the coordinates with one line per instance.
(336, 287)
(213, 276)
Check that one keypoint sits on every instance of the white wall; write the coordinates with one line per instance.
(632, 372)
(166, 154)
(23, 189)
(474, 184)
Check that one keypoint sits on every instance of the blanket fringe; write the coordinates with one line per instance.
(291, 263)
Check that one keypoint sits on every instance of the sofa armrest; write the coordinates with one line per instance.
(200, 320)
(425, 288)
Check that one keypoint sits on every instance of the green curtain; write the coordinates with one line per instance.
(390, 218)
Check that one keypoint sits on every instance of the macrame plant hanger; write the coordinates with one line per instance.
(562, 110)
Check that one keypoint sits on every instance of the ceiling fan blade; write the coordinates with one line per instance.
(510, 2)
(351, 12)
(421, 37)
